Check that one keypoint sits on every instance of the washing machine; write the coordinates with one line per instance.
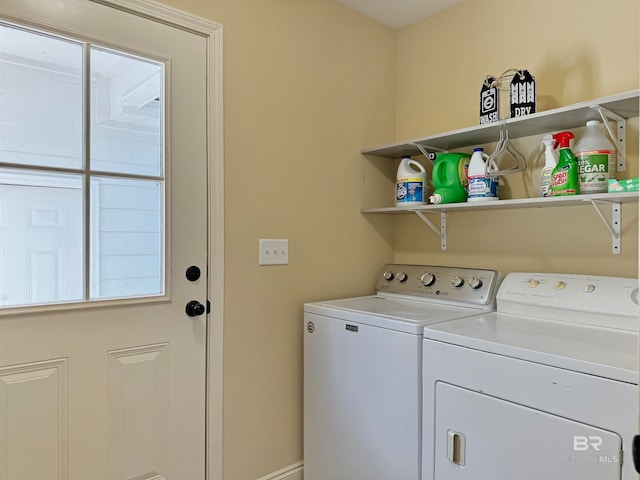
(544, 387)
(363, 369)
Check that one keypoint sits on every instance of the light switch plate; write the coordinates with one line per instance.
(273, 252)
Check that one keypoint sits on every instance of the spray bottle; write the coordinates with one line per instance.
(565, 175)
(449, 177)
(550, 162)
(411, 183)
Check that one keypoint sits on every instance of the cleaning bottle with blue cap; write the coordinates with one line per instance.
(482, 187)
(411, 183)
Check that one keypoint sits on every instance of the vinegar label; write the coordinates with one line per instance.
(593, 170)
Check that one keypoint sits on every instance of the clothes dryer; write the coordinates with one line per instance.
(545, 387)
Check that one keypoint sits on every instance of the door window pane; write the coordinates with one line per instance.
(49, 223)
(126, 239)
(40, 99)
(41, 254)
(126, 114)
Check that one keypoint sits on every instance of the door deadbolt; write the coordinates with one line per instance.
(192, 273)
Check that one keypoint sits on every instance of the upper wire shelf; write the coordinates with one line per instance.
(625, 105)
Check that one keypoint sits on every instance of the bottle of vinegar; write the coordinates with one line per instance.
(596, 157)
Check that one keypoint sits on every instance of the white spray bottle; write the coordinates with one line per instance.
(550, 162)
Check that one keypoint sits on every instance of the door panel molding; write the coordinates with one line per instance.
(34, 395)
(138, 391)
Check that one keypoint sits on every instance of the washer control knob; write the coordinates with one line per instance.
(428, 279)
(401, 276)
(589, 288)
(561, 285)
(388, 276)
(457, 281)
(533, 283)
(475, 283)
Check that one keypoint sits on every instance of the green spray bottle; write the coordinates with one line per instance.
(565, 176)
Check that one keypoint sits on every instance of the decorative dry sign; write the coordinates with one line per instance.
(522, 94)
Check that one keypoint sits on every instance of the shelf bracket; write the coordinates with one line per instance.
(619, 139)
(424, 151)
(442, 232)
(613, 225)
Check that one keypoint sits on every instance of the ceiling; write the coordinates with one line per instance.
(398, 14)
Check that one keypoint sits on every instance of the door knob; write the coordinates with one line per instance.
(194, 308)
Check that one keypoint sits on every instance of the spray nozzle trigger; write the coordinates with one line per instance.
(562, 139)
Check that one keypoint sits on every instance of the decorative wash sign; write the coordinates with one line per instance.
(489, 100)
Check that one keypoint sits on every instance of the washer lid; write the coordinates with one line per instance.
(402, 315)
(605, 352)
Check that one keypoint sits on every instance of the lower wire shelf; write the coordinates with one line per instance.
(597, 200)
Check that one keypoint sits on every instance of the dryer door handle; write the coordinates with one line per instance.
(456, 447)
(635, 452)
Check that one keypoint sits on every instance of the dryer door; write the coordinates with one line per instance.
(479, 437)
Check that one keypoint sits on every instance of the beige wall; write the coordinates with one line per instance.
(309, 83)
(577, 50)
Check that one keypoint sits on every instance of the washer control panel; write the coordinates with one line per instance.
(450, 284)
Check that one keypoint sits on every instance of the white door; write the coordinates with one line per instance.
(102, 371)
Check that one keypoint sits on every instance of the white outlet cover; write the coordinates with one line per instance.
(273, 251)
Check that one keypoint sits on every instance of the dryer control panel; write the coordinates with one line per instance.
(438, 283)
(588, 299)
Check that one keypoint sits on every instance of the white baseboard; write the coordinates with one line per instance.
(292, 472)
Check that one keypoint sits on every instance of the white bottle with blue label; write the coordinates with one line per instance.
(550, 162)
(411, 183)
(481, 187)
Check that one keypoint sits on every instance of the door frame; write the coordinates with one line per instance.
(212, 32)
